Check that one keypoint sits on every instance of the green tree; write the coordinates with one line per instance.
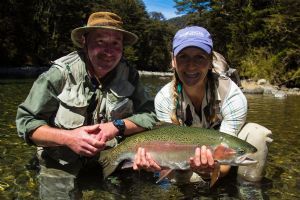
(258, 37)
(156, 38)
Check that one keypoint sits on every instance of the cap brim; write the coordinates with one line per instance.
(76, 35)
(201, 45)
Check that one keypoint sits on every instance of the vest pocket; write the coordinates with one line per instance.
(118, 107)
(122, 109)
(73, 106)
(70, 117)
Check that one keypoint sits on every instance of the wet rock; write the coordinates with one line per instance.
(262, 82)
(284, 88)
(257, 90)
(280, 95)
(270, 90)
(264, 87)
(295, 89)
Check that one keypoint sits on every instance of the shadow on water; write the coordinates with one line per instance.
(18, 177)
(128, 184)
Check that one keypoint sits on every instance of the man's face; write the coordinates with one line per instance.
(105, 48)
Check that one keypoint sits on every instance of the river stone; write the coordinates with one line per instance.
(257, 90)
(280, 95)
(261, 82)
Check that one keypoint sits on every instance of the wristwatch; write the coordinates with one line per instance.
(120, 125)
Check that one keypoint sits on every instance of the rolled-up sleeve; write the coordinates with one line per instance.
(41, 103)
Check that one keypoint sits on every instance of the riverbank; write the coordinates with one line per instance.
(262, 86)
(22, 72)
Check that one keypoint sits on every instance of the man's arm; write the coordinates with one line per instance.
(144, 115)
(41, 103)
(81, 140)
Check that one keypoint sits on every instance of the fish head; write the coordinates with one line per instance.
(243, 150)
(234, 156)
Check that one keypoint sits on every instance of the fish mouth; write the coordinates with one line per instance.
(244, 160)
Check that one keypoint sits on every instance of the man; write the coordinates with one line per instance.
(82, 103)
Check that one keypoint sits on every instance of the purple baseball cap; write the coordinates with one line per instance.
(192, 36)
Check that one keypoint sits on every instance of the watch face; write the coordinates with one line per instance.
(119, 122)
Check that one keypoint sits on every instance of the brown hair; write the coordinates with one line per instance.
(176, 100)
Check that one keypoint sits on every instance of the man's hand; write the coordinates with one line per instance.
(107, 131)
(83, 140)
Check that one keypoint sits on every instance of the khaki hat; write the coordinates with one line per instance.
(103, 20)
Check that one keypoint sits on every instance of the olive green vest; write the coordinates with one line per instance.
(77, 94)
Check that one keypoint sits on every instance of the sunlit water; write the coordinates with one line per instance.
(282, 181)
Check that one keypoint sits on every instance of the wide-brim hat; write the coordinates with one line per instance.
(102, 20)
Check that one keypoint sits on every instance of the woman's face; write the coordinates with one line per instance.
(192, 65)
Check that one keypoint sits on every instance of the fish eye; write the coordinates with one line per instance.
(240, 151)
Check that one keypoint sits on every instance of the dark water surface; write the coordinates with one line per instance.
(282, 179)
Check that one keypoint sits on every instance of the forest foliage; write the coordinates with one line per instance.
(259, 38)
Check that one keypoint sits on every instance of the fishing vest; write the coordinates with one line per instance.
(222, 68)
(223, 86)
(113, 100)
(82, 103)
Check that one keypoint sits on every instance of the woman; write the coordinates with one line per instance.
(197, 96)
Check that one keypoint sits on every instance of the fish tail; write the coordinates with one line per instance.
(108, 166)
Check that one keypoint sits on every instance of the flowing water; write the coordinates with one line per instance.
(282, 181)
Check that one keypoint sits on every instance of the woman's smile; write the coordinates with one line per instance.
(192, 75)
(191, 79)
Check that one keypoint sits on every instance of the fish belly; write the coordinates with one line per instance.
(172, 156)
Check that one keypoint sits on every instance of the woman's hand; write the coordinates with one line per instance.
(203, 161)
(143, 160)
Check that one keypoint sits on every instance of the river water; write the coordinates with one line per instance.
(282, 179)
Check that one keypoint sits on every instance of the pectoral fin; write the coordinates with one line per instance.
(163, 174)
(127, 164)
(215, 175)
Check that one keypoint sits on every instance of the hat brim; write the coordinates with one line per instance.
(77, 33)
(201, 45)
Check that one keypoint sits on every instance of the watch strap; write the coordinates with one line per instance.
(120, 125)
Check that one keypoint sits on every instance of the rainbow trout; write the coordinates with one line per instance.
(171, 147)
